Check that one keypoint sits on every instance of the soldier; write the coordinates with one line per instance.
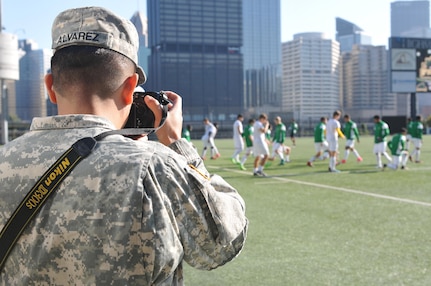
(132, 210)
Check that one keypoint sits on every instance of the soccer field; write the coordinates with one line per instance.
(362, 226)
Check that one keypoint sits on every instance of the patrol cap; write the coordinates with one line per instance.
(97, 26)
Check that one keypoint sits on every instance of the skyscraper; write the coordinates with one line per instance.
(410, 19)
(348, 34)
(365, 83)
(140, 21)
(31, 94)
(262, 53)
(196, 52)
(311, 76)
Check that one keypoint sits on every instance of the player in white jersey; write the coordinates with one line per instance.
(260, 145)
(333, 131)
(237, 139)
(208, 140)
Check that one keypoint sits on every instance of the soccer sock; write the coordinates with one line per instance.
(312, 159)
(387, 156)
(346, 154)
(379, 160)
(287, 158)
(356, 153)
(332, 162)
(260, 168)
(418, 154)
(404, 158)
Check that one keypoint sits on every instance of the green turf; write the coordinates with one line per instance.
(312, 227)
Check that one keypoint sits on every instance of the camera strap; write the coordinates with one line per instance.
(50, 181)
(41, 191)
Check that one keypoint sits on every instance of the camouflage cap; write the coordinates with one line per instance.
(96, 26)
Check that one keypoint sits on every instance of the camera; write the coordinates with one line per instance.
(140, 115)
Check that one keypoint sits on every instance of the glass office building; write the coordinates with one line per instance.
(196, 52)
(348, 34)
(410, 18)
(262, 53)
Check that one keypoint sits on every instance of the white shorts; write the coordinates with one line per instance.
(277, 147)
(380, 147)
(239, 144)
(350, 143)
(333, 145)
(417, 143)
(249, 150)
(321, 146)
(260, 149)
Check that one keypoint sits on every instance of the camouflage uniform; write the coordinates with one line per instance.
(128, 214)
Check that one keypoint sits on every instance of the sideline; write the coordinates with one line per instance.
(334, 188)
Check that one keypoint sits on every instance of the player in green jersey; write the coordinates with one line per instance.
(187, 133)
(278, 147)
(320, 143)
(248, 137)
(293, 130)
(381, 131)
(397, 146)
(351, 132)
(417, 130)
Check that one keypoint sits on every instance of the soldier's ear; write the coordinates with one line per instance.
(48, 84)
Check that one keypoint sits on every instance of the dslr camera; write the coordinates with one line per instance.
(140, 115)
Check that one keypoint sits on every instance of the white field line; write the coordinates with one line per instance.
(335, 188)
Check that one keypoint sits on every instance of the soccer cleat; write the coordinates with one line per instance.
(256, 174)
(263, 174)
(281, 163)
(417, 161)
(234, 161)
(343, 161)
(309, 164)
(241, 166)
(215, 156)
(404, 168)
(359, 159)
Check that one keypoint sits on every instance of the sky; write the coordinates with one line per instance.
(33, 19)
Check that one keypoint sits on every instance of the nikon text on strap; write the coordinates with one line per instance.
(40, 192)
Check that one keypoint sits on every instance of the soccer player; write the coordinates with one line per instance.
(248, 136)
(260, 146)
(208, 140)
(293, 129)
(381, 131)
(237, 138)
(397, 146)
(320, 143)
(409, 132)
(333, 131)
(186, 134)
(417, 131)
(351, 132)
(278, 147)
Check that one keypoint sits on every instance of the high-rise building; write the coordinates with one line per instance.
(348, 34)
(311, 76)
(31, 95)
(196, 52)
(410, 19)
(262, 53)
(140, 21)
(365, 80)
